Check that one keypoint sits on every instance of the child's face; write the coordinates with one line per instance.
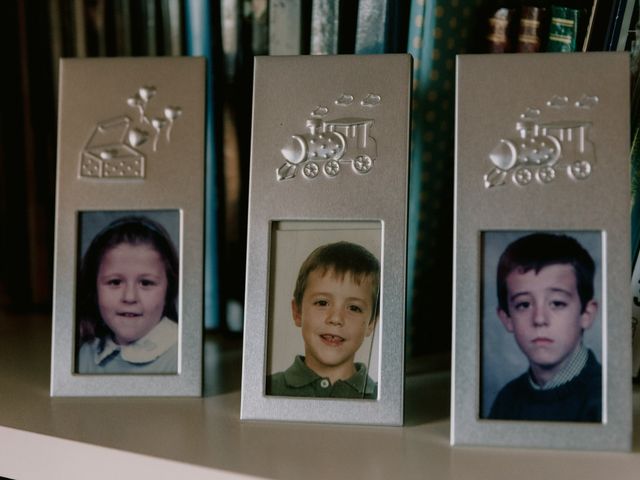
(545, 315)
(132, 284)
(335, 316)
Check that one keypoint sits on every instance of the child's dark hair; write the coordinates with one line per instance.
(539, 250)
(341, 258)
(133, 230)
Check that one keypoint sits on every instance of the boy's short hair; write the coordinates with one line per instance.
(539, 250)
(341, 257)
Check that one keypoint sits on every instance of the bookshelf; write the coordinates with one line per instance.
(203, 438)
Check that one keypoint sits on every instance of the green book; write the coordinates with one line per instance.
(563, 29)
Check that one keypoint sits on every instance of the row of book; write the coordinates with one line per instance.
(570, 26)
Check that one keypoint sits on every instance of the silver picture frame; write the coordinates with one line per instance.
(130, 156)
(329, 163)
(542, 148)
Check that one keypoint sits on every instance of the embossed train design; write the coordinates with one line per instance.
(331, 144)
(114, 151)
(542, 149)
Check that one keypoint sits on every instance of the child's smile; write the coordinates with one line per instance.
(131, 285)
(546, 316)
(332, 340)
(335, 317)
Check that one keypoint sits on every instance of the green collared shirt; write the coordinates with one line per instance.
(300, 381)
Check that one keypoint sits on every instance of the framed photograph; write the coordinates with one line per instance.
(309, 270)
(324, 312)
(541, 355)
(127, 315)
(518, 337)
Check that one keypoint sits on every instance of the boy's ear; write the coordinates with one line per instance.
(505, 319)
(371, 326)
(295, 313)
(588, 316)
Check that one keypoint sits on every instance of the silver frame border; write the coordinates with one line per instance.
(481, 74)
(180, 75)
(382, 197)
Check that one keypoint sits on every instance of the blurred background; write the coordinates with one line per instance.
(37, 33)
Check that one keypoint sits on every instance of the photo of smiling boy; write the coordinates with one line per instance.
(545, 290)
(335, 305)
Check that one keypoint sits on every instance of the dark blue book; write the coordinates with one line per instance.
(201, 35)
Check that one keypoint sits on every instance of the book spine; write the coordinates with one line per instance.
(563, 29)
(95, 15)
(324, 27)
(200, 42)
(285, 27)
(231, 20)
(595, 38)
(121, 24)
(371, 27)
(150, 28)
(171, 14)
(80, 28)
(260, 24)
(57, 40)
(618, 31)
(498, 36)
(529, 35)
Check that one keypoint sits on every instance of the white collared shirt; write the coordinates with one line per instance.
(156, 352)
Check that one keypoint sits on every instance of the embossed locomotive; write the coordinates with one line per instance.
(327, 146)
(538, 152)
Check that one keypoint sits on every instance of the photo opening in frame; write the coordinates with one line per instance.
(324, 304)
(542, 326)
(127, 300)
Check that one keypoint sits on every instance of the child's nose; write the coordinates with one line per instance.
(539, 316)
(335, 317)
(130, 293)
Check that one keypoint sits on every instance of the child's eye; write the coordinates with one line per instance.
(321, 303)
(521, 306)
(355, 309)
(114, 282)
(147, 283)
(558, 304)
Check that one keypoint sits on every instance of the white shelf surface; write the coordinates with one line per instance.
(203, 438)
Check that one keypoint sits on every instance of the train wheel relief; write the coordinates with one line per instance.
(522, 176)
(546, 174)
(362, 163)
(310, 170)
(331, 168)
(579, 170)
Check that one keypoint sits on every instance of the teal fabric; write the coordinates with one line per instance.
(438, 31)
(300, 381)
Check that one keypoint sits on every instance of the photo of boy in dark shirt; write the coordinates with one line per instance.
(545, 287)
